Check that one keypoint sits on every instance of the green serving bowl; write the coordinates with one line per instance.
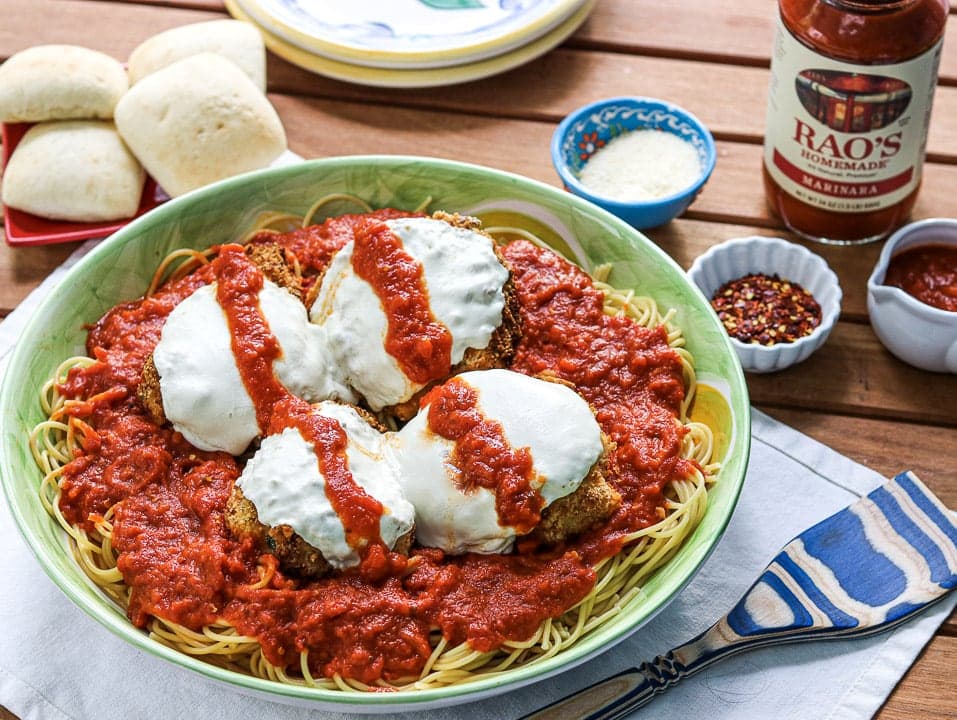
(121, 267)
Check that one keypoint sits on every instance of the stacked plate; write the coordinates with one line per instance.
(411, 43)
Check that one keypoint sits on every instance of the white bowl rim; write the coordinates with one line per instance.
(569, 178)
(829, 316)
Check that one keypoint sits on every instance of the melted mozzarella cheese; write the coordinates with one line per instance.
(551, 420)
(283, 480)
(203, 393)
(464, 280)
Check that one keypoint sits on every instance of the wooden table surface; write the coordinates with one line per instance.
(710, 57)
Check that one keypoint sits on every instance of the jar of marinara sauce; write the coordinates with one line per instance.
(848, 110)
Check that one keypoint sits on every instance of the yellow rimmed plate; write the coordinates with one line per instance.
(409, 34)
(416, 78)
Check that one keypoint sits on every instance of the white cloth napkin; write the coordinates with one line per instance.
(56, 662)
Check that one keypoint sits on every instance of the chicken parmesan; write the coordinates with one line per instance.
(281, 497)
(200, 389)
(483, 469)
(515, 463)
(408, 301)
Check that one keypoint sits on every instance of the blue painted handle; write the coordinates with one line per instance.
(863, 570)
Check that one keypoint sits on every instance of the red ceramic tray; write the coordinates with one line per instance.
(25, 229)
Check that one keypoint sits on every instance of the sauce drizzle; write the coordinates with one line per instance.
(420, 344)
(483, 456)
(255, 349)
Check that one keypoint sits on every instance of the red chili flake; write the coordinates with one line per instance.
(765, 309)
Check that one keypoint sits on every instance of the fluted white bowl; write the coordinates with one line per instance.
(743, 256)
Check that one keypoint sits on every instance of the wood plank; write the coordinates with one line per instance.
(686, 239)
(648, 27)
(884, 446)
(324, 128)
(949, 628)
(23, 268)
(530, 91)
(854, 374)
(733, 194)
(733, 106)
(211, 5)
(928, 691)
(318, 128)
(120, 27)
(527, 92)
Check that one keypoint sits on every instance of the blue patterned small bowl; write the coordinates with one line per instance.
(589, 128)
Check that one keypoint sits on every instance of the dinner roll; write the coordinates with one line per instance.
(76, 170)
(60, 82)
(197, 121)
(233, 39)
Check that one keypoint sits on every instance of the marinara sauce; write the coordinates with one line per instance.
(848, 109)
(928, 273)
(420, 344)
(483, 454)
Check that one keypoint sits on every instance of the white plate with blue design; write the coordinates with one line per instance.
(415, 77)
(410, 34)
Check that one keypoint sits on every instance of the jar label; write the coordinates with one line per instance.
(842, 136)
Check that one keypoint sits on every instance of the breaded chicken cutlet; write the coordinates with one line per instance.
(592, 503)
(269, 257)
(296, 557)
(149, 394)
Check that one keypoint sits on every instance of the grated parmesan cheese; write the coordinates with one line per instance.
(641, 165)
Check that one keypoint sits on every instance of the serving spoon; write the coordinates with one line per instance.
(865, 569)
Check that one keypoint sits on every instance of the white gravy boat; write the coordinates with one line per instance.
(915, 332)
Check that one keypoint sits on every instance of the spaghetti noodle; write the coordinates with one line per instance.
(618, 577)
